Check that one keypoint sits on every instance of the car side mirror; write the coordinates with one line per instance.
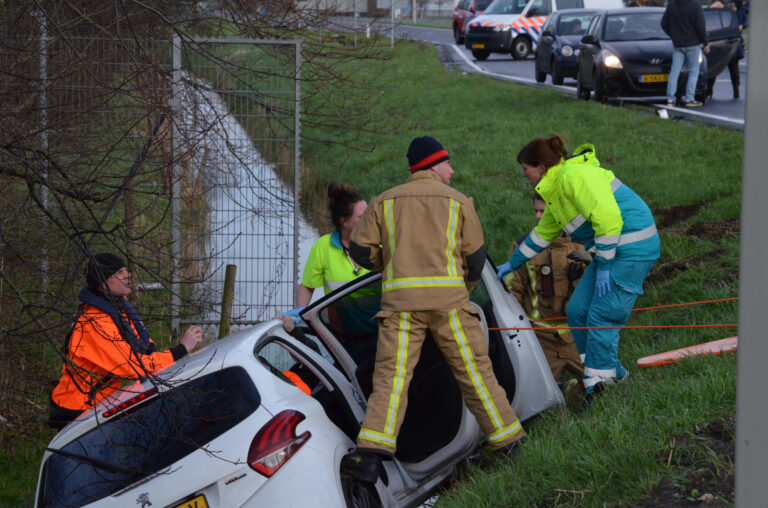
(546, 33)
(588, 39)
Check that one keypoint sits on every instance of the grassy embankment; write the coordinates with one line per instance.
(690, 175)
(621, 448)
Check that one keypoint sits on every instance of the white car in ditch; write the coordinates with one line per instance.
(225, 426)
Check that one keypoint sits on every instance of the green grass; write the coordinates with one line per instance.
(619, 450)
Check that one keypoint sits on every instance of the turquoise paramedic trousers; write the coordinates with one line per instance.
(600, 348)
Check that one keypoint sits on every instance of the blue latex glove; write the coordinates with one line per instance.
(294, 313)
(504, 270)
(602, 283)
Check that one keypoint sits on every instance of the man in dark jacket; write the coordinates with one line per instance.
(683, 21)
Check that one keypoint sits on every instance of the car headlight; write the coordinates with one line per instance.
(501, 28)
(566, 50)
(611, 61)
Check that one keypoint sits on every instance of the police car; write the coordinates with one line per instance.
(514, 26)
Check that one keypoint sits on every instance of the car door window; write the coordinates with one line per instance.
(549, 25)
(594, 26)
(540, 8)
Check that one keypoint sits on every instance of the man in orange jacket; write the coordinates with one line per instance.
(108, 343)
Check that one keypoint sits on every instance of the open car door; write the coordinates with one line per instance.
(724, 36)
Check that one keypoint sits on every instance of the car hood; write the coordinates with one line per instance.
(633, 50)
(571, 40)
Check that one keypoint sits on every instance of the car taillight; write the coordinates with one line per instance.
(276, 442)
(130, 402)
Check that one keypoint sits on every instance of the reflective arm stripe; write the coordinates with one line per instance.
(575, 224)
(607, 239)
(538, 240)
(638, 236)
(527, 251)
(615, 184)
(390, 221)
(607, 254)
(422, 282)
(450, 233)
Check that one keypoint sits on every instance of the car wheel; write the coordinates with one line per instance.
(581, 92)
(358, 494)
(521, 48)
(557, 74)
(600, 93)
(540, 75)
(458, 37)
(481, 54)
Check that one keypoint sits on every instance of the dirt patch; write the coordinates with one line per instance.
(665, 271)
(715, 230)
(697, 482)
(667, 217)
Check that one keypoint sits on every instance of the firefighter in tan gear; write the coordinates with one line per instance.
(543, 286)
(426, 239)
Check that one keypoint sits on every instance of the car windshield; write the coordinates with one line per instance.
(483, 4)
(506, 7)
(136, 444)
(639, 26)
(572, 24)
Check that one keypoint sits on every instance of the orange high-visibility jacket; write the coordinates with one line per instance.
(99, 359)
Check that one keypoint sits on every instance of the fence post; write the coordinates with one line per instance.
(226, 300)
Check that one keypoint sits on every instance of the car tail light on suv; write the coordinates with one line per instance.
(276, 442)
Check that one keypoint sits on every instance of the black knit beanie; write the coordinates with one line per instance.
(426, 152)
(100, 268)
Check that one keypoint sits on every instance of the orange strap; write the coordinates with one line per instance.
(295, 379)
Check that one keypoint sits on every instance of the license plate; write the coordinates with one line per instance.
(654, 78)
(478, 46)
(196, 502)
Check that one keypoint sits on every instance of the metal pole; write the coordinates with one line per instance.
(296, 172)
(413, 10)
(751, 410)
(176, 90)
(42, 101)
(392, 13)
(357, 14)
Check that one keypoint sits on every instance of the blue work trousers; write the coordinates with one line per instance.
(600, 348)
(688, 55)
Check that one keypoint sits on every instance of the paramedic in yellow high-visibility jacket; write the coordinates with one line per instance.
(426, 239)
(596, 209)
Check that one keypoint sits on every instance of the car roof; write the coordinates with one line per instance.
(577, 11)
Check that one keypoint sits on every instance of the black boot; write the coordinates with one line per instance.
(362, 464)
(736, 91)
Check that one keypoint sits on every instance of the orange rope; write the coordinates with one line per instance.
(549, 328)
(660, 307)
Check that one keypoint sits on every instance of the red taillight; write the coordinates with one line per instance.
(130, 402)
(276, 442)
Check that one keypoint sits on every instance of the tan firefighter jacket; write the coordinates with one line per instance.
(426, 239)
(544, 284)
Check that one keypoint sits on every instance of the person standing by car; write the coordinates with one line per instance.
(683, 21)
(108, 343)
(329, 264)
(597, 209)
(733, 63)
(427, 241)
(543, 287)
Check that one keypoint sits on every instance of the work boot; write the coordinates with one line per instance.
(735, 91)
(596, 391)
(573, 393)
(512, 449)
(363, 465)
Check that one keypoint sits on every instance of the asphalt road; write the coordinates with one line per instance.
(721, 109)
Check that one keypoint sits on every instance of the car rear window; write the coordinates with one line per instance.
(136, 444)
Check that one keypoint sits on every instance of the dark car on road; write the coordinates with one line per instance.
(464, 12)
(626, 53)
(558, 47)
